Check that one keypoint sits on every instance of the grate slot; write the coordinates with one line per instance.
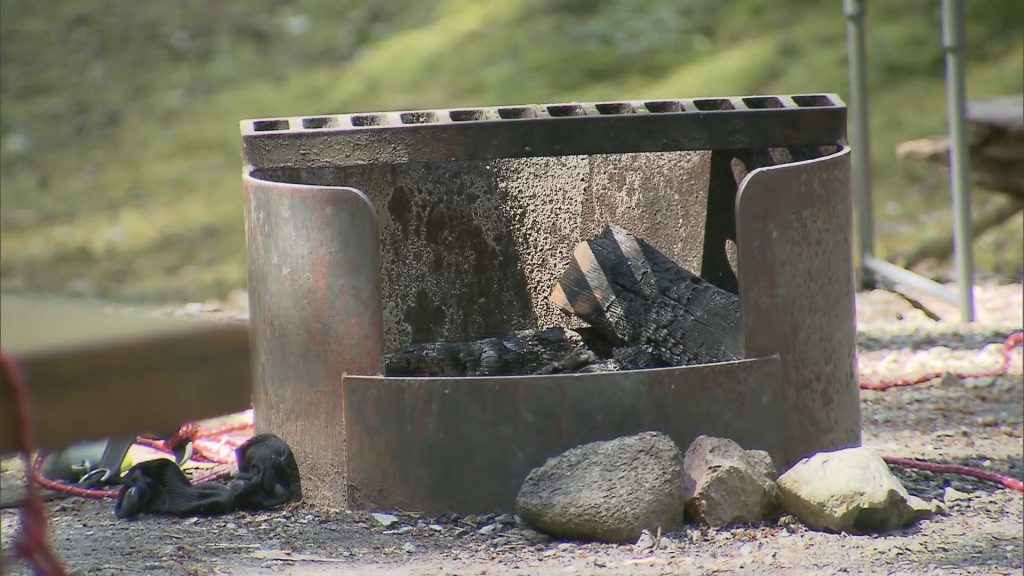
(269, 125)
(514, 112)
(662, 106)
(710, 104)
(368, 120)
(418, 117)
(559, 110)
(611, 108)
(812, 100)
(467, 115)
(762, 102)
(320, 122)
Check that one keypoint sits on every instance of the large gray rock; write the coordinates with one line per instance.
(608, 491)
(849, 490)
(725, 484)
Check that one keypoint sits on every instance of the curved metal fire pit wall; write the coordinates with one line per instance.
(454, 224)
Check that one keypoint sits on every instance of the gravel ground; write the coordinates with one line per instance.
(974, 421)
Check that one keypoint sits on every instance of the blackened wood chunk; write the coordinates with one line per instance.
(653, 310)
(547, 351)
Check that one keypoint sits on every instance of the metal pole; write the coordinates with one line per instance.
(892, 272)
(859, 141)
(959, 164)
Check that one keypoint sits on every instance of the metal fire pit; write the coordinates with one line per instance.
(369, 231)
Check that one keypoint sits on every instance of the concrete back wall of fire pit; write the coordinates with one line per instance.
(471, 249)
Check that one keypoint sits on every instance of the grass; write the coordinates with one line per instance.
(119, 164)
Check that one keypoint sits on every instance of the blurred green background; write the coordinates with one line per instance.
(119, 119)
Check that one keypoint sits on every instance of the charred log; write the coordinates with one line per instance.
(547, 351)
(640, 300)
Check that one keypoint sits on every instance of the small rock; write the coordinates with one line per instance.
(927, 508)
(849, 490)
(505, 519)
(645, 542)
(564, 546)
(385, 520)
(402, 530)
(435, 527)
(950, 379)
(725, 484)
(532, 536)
(487, 530)
(951, 495)
(609, 491)
(409, 548)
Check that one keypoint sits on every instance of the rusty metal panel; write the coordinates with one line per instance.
(797, 296)
(465, 445)
(314, 296)
(383, 138)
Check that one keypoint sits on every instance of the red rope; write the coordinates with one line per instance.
(32, 545)
(1012, 341)
(210, 445)
(64, 487)
(1008, 481)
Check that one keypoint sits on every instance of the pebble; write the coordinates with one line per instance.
(645, 542)
(385, 520)
(487, 530)
(409, 548)
(950, 495)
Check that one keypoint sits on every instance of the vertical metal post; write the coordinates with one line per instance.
(859, 141)
(959, 164)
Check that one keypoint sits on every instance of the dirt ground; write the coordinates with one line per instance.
(976, 421)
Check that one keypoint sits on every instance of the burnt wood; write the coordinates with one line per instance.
(547, 351)
(639, 299)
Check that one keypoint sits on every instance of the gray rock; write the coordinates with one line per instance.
(608, 491)
(725, 484)
(849, 490)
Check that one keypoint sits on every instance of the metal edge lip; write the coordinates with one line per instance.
(409, 119)
(842, 149)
